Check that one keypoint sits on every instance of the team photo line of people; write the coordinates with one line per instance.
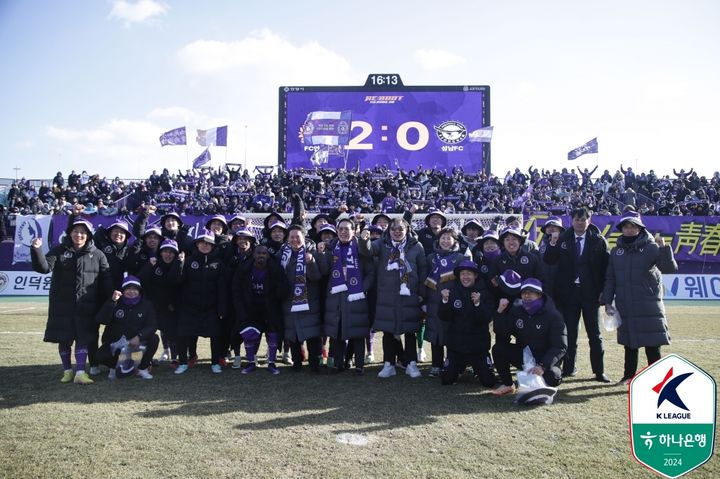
(484, 297)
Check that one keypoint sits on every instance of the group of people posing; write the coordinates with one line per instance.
(342, 280)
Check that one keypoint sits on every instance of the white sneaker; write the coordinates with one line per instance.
(434, 372)
(370, 358)
(387, 371)
(165, 355)
(216, 368)
(422, 356)
(412, 370)
(95, 370)
(111, 374)
(144, 373)
(181, 369)
(237, 362)
(286, 359)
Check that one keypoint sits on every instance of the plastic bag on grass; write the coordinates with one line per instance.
(532, 389)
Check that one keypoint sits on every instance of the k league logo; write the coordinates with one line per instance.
(672, 416)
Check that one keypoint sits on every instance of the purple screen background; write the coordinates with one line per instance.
(430, 108)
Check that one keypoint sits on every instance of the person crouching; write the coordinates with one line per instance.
(535, 323)
(466, 306)
(128, 314)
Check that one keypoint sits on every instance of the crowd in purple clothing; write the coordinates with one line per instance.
(228, 191)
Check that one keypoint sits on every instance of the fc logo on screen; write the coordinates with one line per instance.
(451, 132)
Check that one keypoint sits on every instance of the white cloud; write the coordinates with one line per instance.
(435, 59)
(94, 135)
(138, 12)
(266, 50)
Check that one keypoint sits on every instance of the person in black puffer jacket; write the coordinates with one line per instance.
(467, 306)
(80, 281)
(128, 314)
(203, 303)
(535, 323)
(162, 277)
(634, 281)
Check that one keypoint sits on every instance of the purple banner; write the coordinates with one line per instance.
(402, 129)
(695, 240)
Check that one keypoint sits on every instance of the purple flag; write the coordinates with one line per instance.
(589, 147)
(174, 137)
(213, 136)
(202, 159)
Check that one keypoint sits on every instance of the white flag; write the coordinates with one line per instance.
(482, 135)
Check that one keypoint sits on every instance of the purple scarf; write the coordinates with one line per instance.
(532, 307)
(130, 302)
(442, 270)
(396, 261)
(346, 274)
(300, 295)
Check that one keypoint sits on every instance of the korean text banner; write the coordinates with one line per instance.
(402, 129)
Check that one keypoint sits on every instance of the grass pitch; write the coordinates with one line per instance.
(304, 425)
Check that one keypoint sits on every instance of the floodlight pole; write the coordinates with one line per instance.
(17, 168)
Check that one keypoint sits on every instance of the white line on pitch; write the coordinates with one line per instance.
(21, 332)
(3, 311)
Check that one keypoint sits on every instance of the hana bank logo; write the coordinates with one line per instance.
(667, 390)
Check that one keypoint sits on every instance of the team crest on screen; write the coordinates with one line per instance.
(343, 128)
(451, 132)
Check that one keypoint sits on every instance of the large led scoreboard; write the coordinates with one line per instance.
(387, 123)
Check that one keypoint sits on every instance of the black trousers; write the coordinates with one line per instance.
(457, 362)
(355, 346)
(578, 305)
(390, 349)
(507, 354)
(185, 343)
(314, 349)
(105, 357)
(631, 359)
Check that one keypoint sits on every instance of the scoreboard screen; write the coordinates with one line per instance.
(400, 127)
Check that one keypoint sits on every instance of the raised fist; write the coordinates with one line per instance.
(365, 235)
(503, 305)
(445, 293)
(475, 296)
(554, 237)
(116, 295)
(659, 240)
(36, 243)
(321, 247)
(308, 257)
(153, 261)
(181, 256)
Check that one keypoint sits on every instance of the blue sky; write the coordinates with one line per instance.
(92, 84)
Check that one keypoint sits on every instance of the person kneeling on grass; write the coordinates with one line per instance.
(467, 307)
(535, 323)
(128, 314)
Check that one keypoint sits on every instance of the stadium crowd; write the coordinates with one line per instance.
(229, 191)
